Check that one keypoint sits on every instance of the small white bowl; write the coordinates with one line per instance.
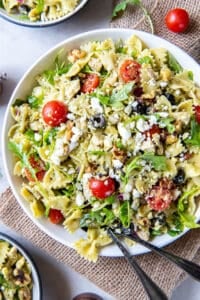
(25, 86)
(15, 18)
(37, 287)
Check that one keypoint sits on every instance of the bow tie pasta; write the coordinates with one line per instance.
(108, 138)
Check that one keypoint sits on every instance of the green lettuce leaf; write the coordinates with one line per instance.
(125, 214)
(103, 217)
(158, 162)
(195, 134)
(122, 94)
(173, 64)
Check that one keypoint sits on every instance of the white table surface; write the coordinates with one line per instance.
(19, 48)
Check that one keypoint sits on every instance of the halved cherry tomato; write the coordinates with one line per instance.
(153, 130)
(102, 188)
(130, 70)
(39, 167)
(54, 113)
(90, 83)
(161, 195)
(177, 20)
(197, 113)
(55, 216)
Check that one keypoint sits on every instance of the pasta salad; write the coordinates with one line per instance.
(40, 10)
(108, 137)
(15, 274)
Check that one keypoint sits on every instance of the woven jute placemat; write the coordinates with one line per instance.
(111, 274)
(133, 18)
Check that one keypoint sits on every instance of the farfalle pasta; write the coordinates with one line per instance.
(15, 274)
(40, 10)
(108, 138)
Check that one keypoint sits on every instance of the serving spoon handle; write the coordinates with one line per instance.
(153, 291)
(188, 266)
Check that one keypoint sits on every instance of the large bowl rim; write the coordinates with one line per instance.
(113, 252)
(28, 257)
(40, 24)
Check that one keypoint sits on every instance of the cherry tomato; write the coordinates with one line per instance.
(155, 129)
(161, 195)
(90, 83)
(54, 113)
(130, 70)
(55, 216)
(38, 166)
(197, 113)
(177, 20)
(102, 188)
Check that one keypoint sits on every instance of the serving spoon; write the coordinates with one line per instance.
(188, 266)
(153, 291)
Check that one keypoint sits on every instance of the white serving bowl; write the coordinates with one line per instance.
(25, 86)
(15, 18)
(37, 287)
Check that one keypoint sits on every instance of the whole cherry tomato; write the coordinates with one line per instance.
(90, 83)
(55, 216)
(197, 113)
(39, 167)
(54, 113)
(102, 188)
(130, 70)
(177, 20)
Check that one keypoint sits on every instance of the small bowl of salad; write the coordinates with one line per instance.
(39, 13)
(19, 278)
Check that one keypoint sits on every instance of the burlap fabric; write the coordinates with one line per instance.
(133, 18)
(111, 274)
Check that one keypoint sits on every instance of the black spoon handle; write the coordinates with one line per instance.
(151, 288)
(188, 266)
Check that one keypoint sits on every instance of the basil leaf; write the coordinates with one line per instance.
(125, 214)
(176, 225)
(120, 7)
(35, 102)
(173, 64)
(49, 136)
(195, 134)
(49, 74)
(122, 94)
(105, 100)
(18, 102)
(158, 162)
(87, 69)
